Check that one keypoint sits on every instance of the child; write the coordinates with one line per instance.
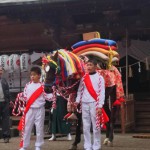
(34, 112)
(91, 94)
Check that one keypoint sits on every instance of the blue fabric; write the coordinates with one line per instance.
(95, 41)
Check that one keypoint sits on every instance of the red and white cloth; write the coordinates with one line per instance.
(91, 94)
(87, 97)
(113, 77)
(34, 96)
(40, 101)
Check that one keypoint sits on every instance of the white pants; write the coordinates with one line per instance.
(34, 116)
(88, 117)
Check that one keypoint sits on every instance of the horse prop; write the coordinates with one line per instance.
(63, 71)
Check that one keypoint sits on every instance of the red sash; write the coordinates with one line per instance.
(89, 86)
(92, 92)
(31, 100)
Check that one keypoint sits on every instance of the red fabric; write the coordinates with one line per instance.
(108, 77)
(93, 45)
(92, 92)
(106, 119)
(67, 115)
(113, 77)
(119, 101)
(118, 83)
(77, 64)
(31, 100)
(45, 60)
(122, 99)
(62, 68)
(21, 144)
(89, 87)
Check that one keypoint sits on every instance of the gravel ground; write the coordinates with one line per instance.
(121, 142)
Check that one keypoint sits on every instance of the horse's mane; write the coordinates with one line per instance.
(70, 65)
(65, 68)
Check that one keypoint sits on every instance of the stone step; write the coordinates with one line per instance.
(142, 108)
(142, 115)
(143, 122)
(144, 136)
(141, 129)
(15, 120)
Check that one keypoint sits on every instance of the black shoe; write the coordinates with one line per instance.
(73, 147)
(6, 140)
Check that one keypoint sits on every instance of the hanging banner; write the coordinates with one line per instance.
(4, 62)
(14, 62)
(25, 62)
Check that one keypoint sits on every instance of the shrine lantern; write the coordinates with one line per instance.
(4, 62)
(25, 62)
(14, 62)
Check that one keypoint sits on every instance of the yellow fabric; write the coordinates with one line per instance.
(77, 58)
(68, 68)
(98, 34)
(111, 55)
(69, 64)
(101, 50)
(49, 58)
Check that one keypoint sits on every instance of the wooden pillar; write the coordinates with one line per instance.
(123, 106)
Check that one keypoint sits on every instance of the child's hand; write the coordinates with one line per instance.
(99, 111)
(76, 104)
(69, 107)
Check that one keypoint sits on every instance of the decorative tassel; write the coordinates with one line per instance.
(130, 72)
(139, 67)
(146, 63)
(111, 55)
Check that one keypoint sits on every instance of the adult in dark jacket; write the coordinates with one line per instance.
(4, 107)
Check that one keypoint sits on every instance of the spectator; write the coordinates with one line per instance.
(58, 124)
(4, 107)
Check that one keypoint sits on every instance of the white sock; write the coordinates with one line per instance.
(69, 137)
(37, 148)
(52, 138)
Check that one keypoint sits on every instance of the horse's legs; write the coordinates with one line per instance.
(78, 130)
(107, 109)
(78, 133)
(113, 113)
(111, 123)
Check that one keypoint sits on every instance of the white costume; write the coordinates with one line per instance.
(35, 115)
(89, 111)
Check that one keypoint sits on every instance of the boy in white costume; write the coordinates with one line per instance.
(90, 108)
(34, 112)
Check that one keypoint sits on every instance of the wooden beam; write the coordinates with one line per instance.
(20, 30)
(25, 42)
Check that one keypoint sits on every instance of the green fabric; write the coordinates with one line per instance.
(58, 124)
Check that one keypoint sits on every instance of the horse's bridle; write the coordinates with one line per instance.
(50, 84)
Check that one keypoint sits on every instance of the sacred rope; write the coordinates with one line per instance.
(60, 92)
